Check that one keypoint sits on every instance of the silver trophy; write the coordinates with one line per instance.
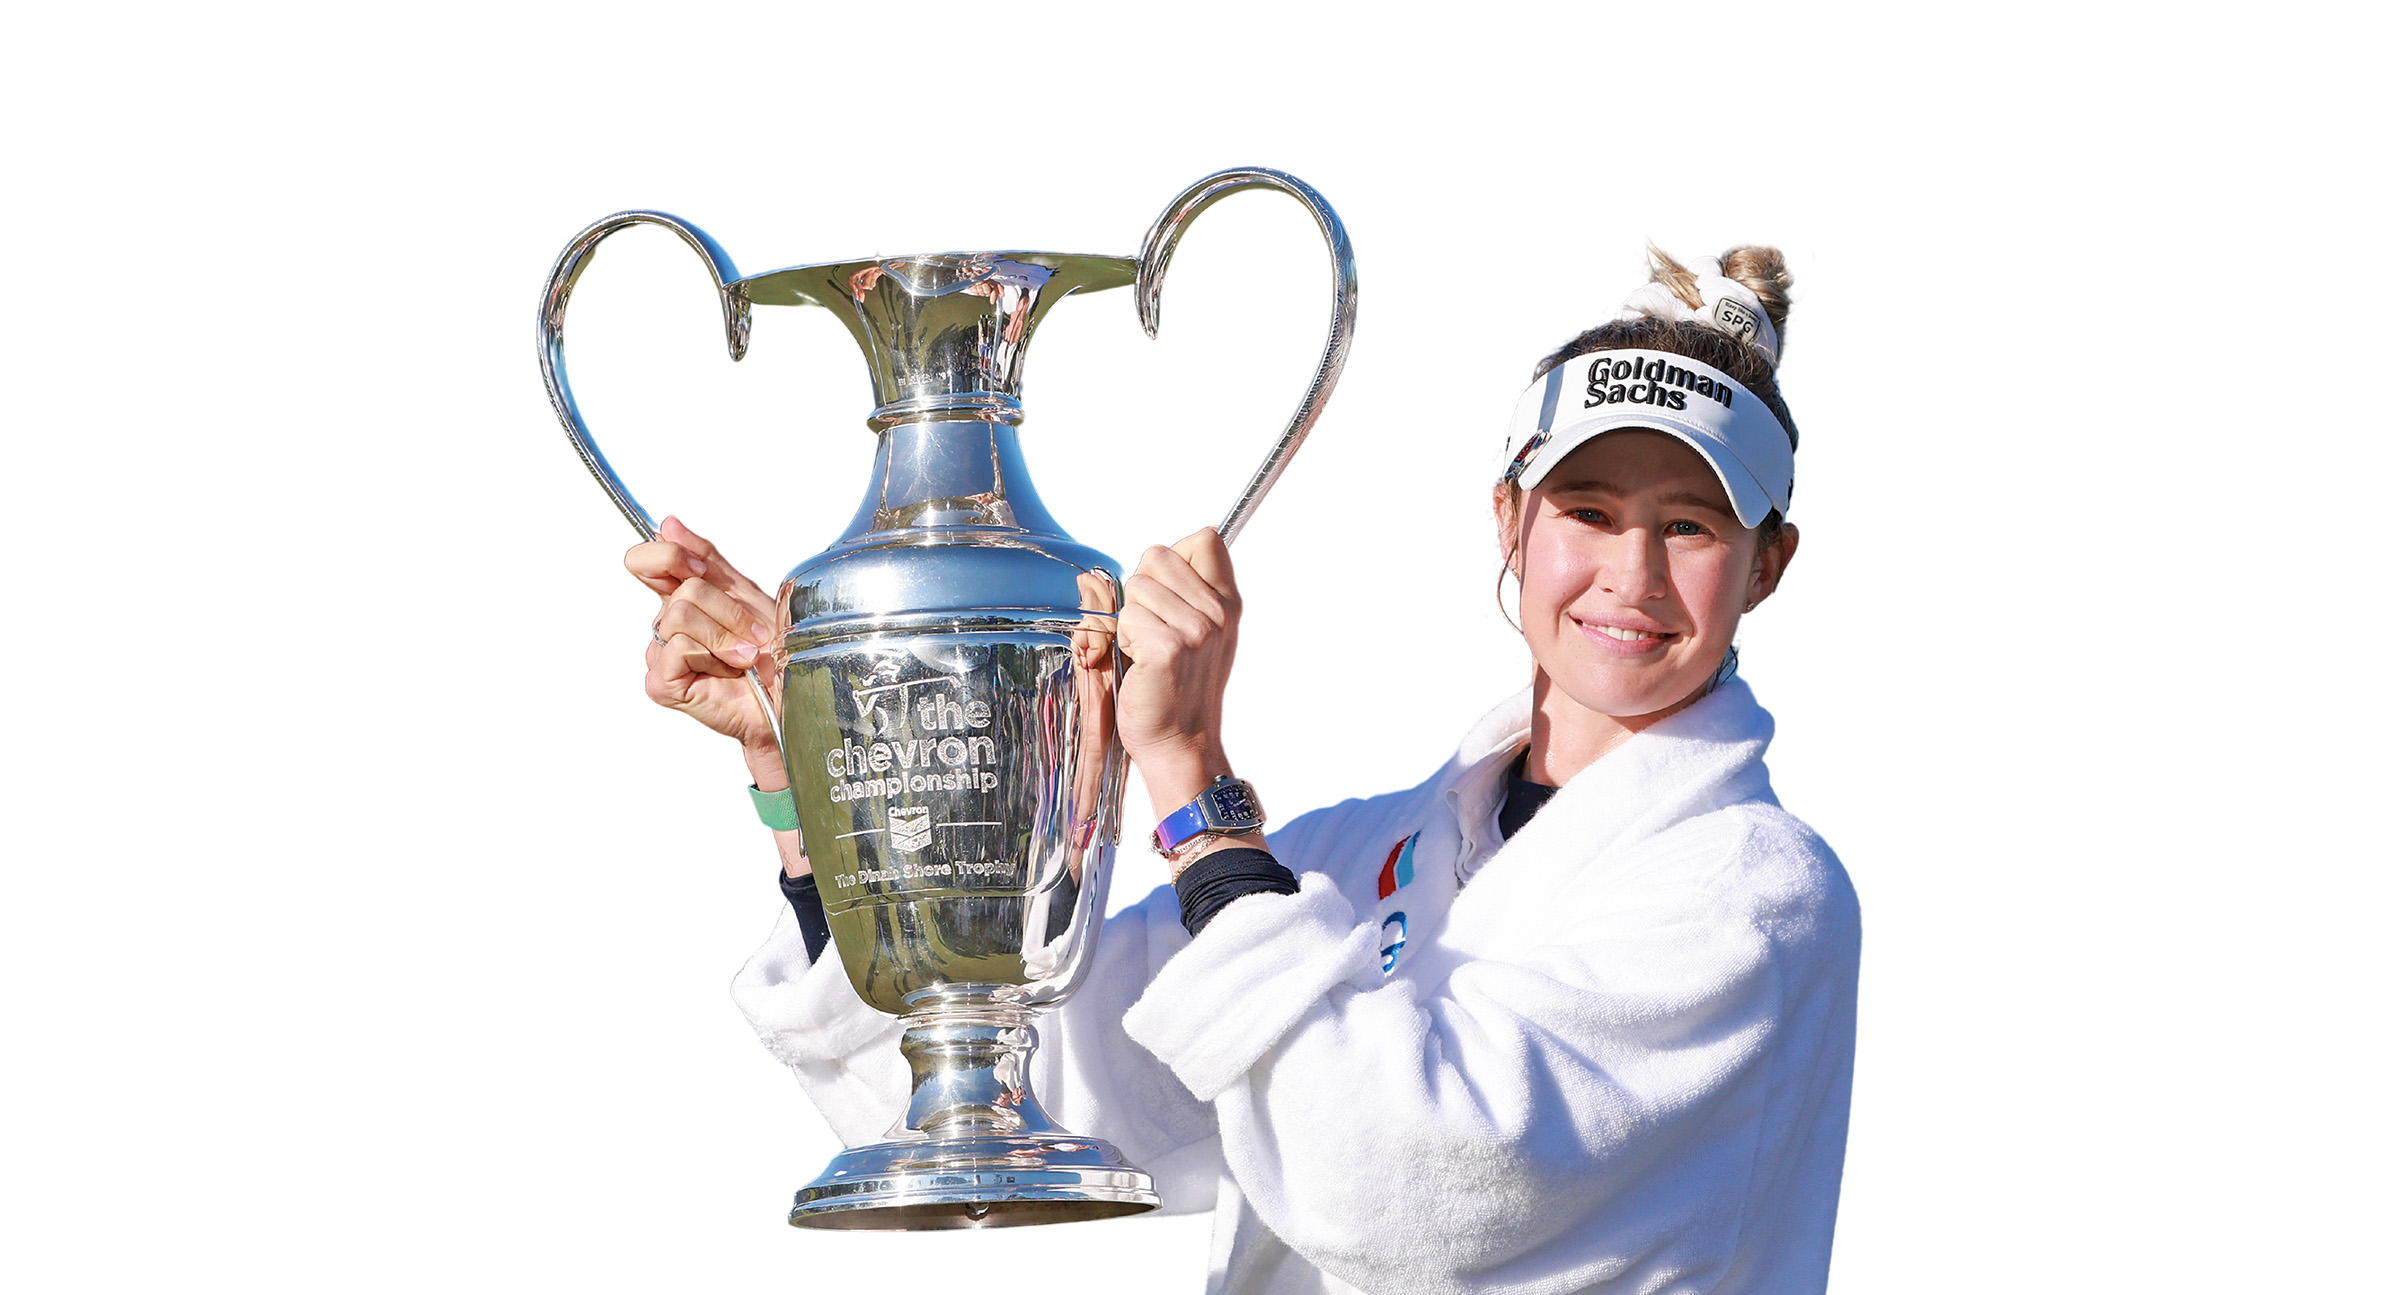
(945, 693)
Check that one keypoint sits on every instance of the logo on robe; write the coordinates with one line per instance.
(1399, 867)
(1391, 952)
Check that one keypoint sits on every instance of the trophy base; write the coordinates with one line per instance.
(993, 1181)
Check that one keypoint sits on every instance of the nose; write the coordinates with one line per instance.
(1633, 565)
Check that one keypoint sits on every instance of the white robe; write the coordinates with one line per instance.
(1618, 1061)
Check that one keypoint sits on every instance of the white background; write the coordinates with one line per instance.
(365, 929)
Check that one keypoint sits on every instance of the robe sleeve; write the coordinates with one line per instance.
(845, 1054)
(1561, 1107)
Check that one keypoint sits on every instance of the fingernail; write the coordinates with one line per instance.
(695, 566)
(741, 652)
(760, 633)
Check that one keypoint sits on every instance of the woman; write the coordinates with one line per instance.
(1575, 1013)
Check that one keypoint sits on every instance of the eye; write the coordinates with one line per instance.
(1589, 516)
(1686, 528)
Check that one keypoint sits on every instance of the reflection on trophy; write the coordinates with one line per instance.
(945, 693)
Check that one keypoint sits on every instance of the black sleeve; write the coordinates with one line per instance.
(1221, 878)
(809, 907)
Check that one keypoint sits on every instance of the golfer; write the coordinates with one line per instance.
(1573, 1014)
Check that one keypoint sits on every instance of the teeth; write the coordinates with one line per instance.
(1629, 636)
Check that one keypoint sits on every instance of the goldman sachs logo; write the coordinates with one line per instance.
(1631, 382)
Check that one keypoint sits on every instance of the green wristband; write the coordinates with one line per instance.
(776, 809)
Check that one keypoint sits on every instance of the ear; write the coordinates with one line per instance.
(1773, 560)
(1507, 503)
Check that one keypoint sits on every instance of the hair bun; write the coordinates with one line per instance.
(1762, 271)
(1746, 295)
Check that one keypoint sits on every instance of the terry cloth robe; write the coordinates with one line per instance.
(1617, 1060)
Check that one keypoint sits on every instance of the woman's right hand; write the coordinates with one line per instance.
(712, 625)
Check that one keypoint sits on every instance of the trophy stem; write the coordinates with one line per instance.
(970, 1067)
(978, 1150)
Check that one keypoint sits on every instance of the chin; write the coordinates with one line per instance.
(1620, 698)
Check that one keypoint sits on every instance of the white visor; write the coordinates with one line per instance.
(1696, 404)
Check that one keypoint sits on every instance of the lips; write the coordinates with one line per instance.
(1624, 636)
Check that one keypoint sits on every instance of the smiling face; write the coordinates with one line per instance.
(1635, 573)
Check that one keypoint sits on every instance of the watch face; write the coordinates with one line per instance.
(1232, 803)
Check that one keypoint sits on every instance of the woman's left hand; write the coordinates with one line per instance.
(1183, 613)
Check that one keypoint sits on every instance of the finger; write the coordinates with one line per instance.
(724, 610)
(685, 656)
(664, 678)
(1142, 636)
(1205, 551)
(718, 571)
(759, 603)
(1168, 608)
(662, 565)
(713, 566)
(683, 618)
(1166, 569)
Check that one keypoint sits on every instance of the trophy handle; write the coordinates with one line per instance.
(1158, 246)
(572, 262)
(551, 330)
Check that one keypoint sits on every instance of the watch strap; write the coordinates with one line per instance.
(1207, 815)
(1180, 827)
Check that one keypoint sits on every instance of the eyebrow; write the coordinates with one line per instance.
(1683, 497)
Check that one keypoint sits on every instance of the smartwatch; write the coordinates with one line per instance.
(1226, 807)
